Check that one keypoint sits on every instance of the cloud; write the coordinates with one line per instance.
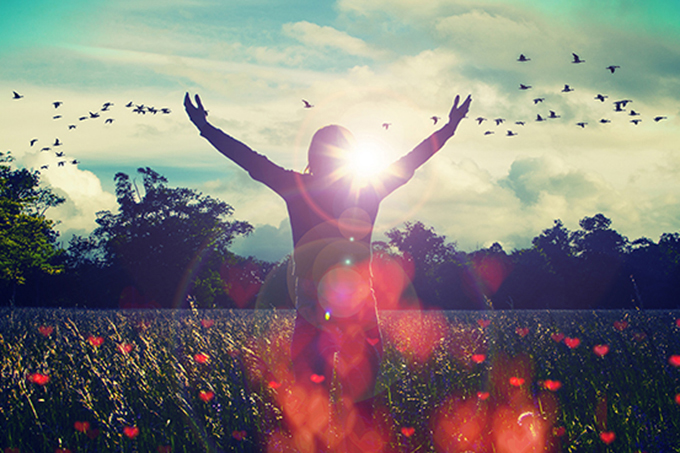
(328, 37)
(267, 242)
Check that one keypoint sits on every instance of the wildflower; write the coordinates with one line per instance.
(408, 431)
(206, 395)
(201, 358)
(601, 350)
(46, 331)
(39, 378)
(131, 432)
(82, 427)
(125, 348)
(572, 342)
(95, 341)
(607, 437)
(516, 381)
(551, 385)
(478, 358)
(239, 435)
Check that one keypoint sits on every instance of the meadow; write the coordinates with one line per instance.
(192, 381)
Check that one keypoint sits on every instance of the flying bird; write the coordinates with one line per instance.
(605, 121)
(44, 167)
(165, 110)
(522, 58)
(129, 104)
(152, 110)
(635, 121)
(620, 104)
(17, 95)
(537, 100)
(499, 121)
(634, 113)
(582, 124)
(577, 59)
(510, 134)
(56, 117)
(106, 106)
(539, 117)
(567, 89)
(520, 123)
(82, 118)
(33, 141)
(57, 142)
(601, 97)
(139, 109)
(60, 154)
(386, 125)
(612, 68)
(480, 120)
(108, 121)
(75, 161)
(56, 104)
(488, 132)
(524, 87)
(553, 115)
(60, 163)
(45, 149)
(659, 118)
(71, 126)
(307, 104)
(94, 115)
(435, 119)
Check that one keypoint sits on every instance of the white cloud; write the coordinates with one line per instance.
(324, 36)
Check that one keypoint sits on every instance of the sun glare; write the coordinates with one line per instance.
(368, 159)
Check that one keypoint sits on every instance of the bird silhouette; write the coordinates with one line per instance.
(537, 100)
(539, 117)
(152, 110)
(636, 121)
(60, 163)
(488, 132)
(33, 141)
(480, 120)
(601, 97)
(44, 167)
(108, 121)
(59, 154)
(582, 124)
(522, 58)
(129, 104)
(499, 121)
(567, 89)
(166, 110)
(56, 104)
(139, 109)
(307, 104)
(435, 119)
(605, 121)
(577, 59)
(106, 106)
(45, 149)
(612, 68)
(620, 104)
(634, 113)
(519, 123)
(75, 161)
(56, 117)
(659, 118)
(553, 115)
(17, 95)
(94, 115)
(82, 118)
(524, 87)
(510, 134)
(386, 125)
(71, 126)
(57, 142)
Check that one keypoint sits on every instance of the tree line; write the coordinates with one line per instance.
(168, 247)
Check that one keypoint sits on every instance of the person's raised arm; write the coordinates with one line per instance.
(402, 170)
(259, 167)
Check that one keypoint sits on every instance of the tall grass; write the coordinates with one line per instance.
(188, 381)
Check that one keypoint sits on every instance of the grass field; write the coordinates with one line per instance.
(192, 381)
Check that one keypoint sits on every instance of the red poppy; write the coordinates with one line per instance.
(125, 348)
(239, 435)
(620, 325)
(274, 385)
(482, 395)
(82, 427)
(674, 360)
(207, 323)
(601, 350)
(607, 437)
(572, 342)
(522, 331)
(483, 323)
(46, 330)
(677, 398)
(516, 381)
(206, 395)
(95, 341)
(478, 358)
(201, 358)
(408, 431)
(557, 337)
(551, 385)
(317, 378)
(131, 432)
(39, 378)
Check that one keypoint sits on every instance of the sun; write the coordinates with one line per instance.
(367, 160)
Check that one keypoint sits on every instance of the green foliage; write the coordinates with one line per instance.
(167, 240)
(27, 237)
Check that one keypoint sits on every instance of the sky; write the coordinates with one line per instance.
(361, 64)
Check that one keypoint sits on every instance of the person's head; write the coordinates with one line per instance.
(329, 149)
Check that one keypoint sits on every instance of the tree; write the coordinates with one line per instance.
(27, 238)
(167, 241)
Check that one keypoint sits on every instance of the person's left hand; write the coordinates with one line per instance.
(196, 113)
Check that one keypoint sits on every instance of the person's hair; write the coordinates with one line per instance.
(329, 146)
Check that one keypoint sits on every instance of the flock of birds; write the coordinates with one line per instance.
(619, 106)
(140, 109)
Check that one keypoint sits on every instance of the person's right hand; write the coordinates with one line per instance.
(196, 113)
(458, 112)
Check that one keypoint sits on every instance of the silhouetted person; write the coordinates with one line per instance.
(332, 217)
